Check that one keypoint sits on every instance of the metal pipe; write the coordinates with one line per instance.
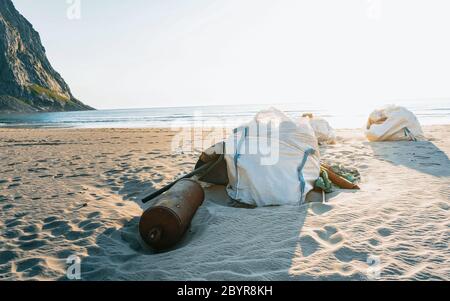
(164, 224)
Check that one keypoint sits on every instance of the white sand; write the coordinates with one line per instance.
(76, 192)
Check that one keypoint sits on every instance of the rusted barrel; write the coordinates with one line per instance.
(164, 224)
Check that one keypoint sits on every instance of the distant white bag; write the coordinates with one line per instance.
(272, 160)
(324, 132)
(393, 123)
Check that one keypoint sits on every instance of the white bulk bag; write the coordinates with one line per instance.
(272, 160)
(393, 123)
(324, 132)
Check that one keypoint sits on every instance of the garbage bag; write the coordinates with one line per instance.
(322, 129)
(272, 160)
(393, 123)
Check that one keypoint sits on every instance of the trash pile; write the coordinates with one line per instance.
(272, 160)
(341, 177)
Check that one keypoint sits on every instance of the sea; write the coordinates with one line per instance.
(429, 112)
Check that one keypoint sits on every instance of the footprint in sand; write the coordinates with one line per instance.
(11, 234)
(346, 254)
(31, 229)
(56, 227)
(50, 219)
(374, 242)
(320, 208)
(76, 235)
(13, 223)
(64, 254)
(7, 256)
(28, 237)
(8, 207)
(31, 267)
(32, 245)
(329, 234)
(94, 215)
(385, 232)
(308, 245)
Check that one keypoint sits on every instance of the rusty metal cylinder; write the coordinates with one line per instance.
(164, 224)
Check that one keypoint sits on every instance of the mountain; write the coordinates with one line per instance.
(28, 83)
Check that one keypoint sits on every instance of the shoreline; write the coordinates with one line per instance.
(169, 128)
(434, 113)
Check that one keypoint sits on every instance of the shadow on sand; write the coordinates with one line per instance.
(226, 241)
(423, 156)
(232, 247)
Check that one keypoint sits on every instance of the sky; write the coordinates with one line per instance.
(153, 53)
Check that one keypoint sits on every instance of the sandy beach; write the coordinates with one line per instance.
(67, 192)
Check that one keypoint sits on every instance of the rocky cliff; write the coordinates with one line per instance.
(28, 83)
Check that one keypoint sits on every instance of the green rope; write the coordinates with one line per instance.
(323, 182)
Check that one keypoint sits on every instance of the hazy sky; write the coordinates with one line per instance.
(144, 53)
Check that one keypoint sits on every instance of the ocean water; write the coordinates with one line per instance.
(345, 116)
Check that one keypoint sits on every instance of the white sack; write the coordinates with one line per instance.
(324, 132)
(393, 123)
(283, 171)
